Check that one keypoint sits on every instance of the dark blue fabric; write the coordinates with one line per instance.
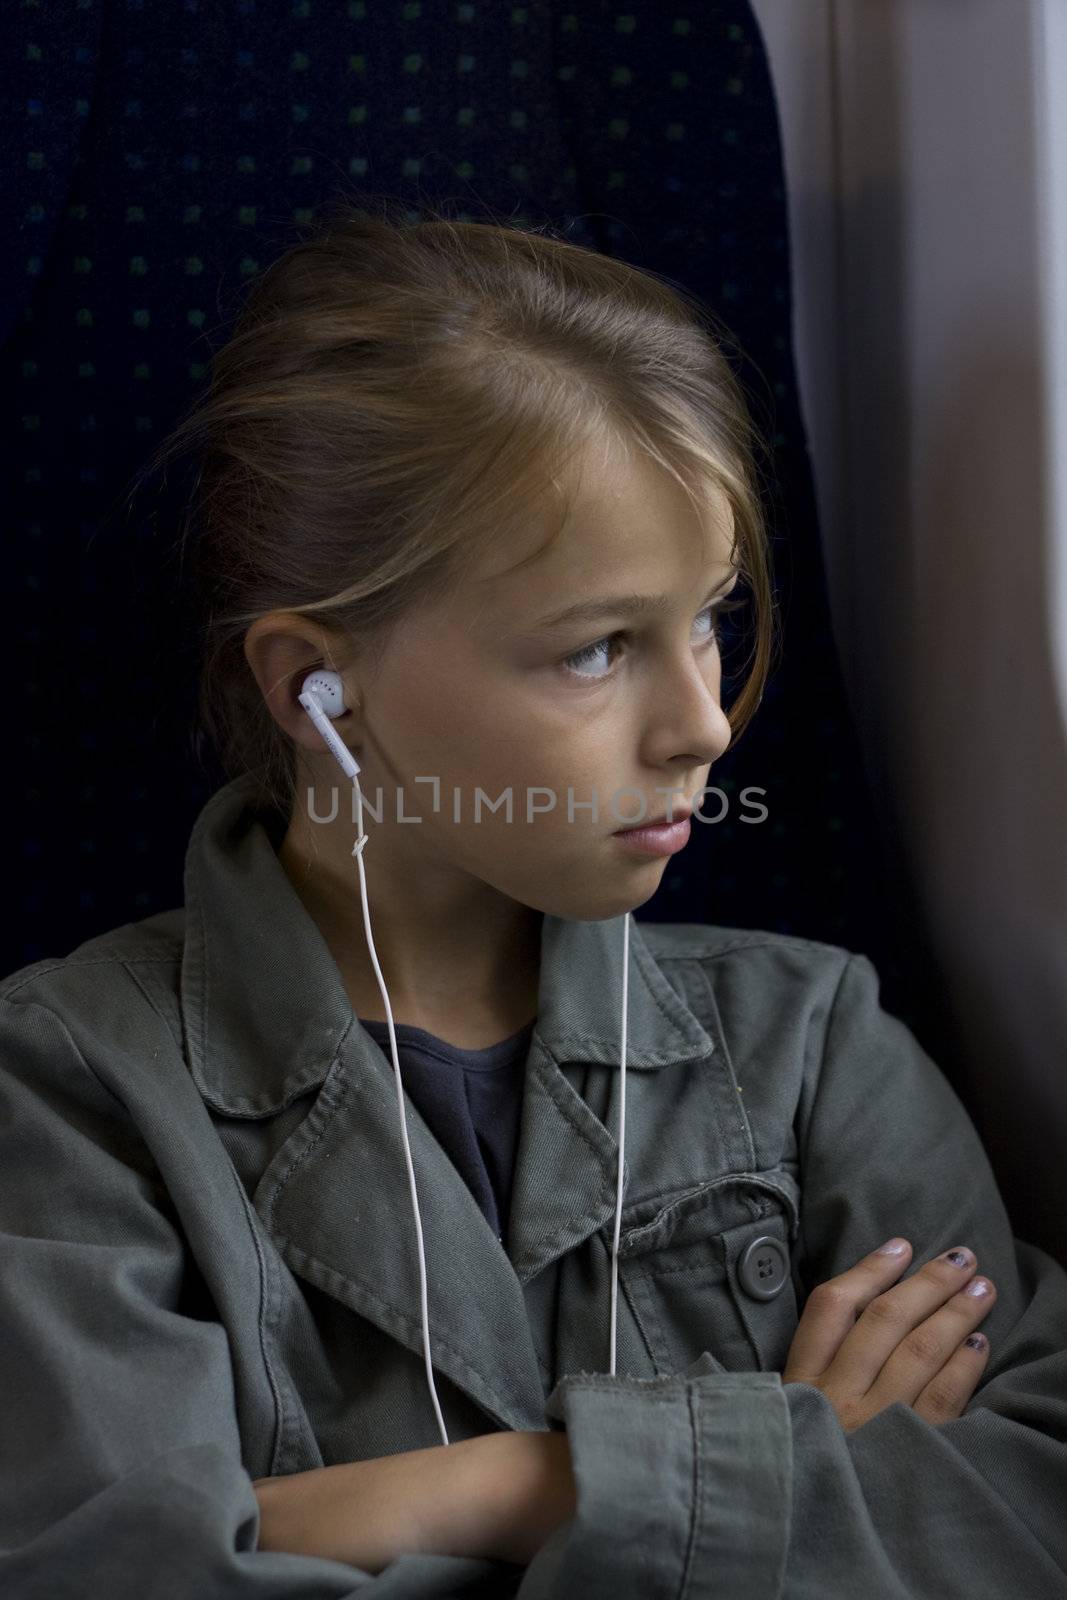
(471, 1101)
(156, 157)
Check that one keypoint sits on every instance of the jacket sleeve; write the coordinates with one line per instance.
(120, 1457)
(732, 1484)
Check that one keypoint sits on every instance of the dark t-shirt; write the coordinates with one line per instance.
(471, 1100)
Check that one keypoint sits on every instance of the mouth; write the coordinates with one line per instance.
(681, 813)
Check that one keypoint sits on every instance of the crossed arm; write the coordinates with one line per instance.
(498, 1496)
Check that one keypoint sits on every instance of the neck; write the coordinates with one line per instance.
(458, 958)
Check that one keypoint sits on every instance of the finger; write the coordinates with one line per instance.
(893, 1315)
(948, 1394)
(918, 1362)
(831, 1310)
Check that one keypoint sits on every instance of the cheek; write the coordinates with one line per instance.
(577, 759)
(460, 728)
(471, 728)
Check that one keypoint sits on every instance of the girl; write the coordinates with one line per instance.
(321, 1189)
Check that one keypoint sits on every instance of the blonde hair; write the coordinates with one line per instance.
(394, 396)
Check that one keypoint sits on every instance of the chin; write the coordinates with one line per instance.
(611, 902)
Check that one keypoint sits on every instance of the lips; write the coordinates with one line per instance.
(681, 814)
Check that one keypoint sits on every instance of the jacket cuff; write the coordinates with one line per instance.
(684, 1484)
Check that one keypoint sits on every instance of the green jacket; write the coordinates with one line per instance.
(209, 1270)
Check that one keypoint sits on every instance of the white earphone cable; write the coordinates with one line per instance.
(622, 1130)
(357, 851)
(325, 688)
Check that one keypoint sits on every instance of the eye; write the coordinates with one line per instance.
(589, 654)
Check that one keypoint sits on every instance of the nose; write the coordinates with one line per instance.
(686, 716)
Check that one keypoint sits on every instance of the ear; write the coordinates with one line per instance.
(281, 649)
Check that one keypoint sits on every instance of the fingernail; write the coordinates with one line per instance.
(977, 1341)
(895, 1247)
(959, 1258)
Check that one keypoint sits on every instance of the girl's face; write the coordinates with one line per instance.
(488, 690)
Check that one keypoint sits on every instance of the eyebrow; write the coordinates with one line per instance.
(623, 605)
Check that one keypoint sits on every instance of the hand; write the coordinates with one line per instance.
(866, 1344)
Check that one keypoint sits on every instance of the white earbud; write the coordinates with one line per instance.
(329, 686)
(322, 696)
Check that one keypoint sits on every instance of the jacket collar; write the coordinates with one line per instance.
(265, 1010)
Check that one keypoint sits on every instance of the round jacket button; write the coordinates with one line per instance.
(763, 1268)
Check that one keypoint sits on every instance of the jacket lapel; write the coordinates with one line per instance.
(566, 1169)
(266, 1018)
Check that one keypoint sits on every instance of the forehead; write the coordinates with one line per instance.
(626, 521)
